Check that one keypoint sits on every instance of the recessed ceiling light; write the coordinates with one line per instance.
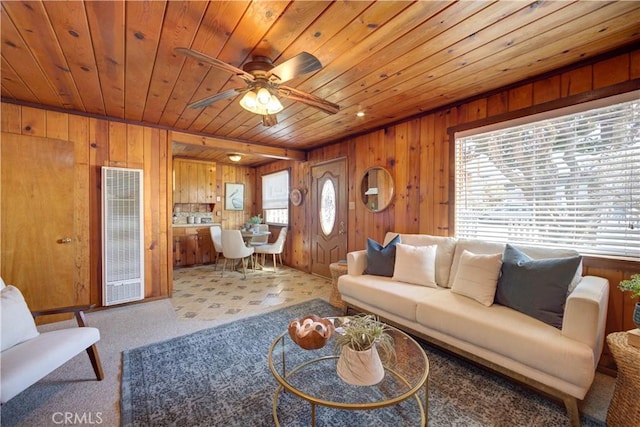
(360, 114)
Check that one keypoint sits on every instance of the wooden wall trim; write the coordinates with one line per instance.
(189, 137)
(618, 89)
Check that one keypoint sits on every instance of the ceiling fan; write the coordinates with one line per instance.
(264, 84)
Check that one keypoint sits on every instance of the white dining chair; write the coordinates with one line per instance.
(234, 248)
(216, 238)
(275, 248)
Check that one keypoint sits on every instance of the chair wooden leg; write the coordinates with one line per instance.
(275, 265)
(244, 268)
(215, 267)
(95, 361)
(224, 265)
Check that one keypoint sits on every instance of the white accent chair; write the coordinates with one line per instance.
(275, 248)
(216, 238)
(234, 248)
(28, 355)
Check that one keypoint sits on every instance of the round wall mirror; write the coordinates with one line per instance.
(376, 189)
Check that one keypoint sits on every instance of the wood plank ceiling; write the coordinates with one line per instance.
(388, 59)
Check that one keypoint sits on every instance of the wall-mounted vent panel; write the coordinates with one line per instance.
(122, 235)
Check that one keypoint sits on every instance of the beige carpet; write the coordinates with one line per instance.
(72, 389)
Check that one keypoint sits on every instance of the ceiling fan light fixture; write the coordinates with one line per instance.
(234, 157)
(262, 102)
(264, 97)
(274, 106)
(249, 101)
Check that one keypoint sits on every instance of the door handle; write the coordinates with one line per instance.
(64, 241)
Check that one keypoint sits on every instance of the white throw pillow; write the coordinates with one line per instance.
(477, 276)
(17, 324)
(415, 264)
(2, 285)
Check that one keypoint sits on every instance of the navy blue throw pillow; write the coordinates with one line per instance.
(537, 287)
(381, 260)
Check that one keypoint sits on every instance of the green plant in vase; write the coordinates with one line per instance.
(633, 285)
(256, 219)
(365, 347)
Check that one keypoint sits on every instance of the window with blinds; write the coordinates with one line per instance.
(571, 181)
(275, 197)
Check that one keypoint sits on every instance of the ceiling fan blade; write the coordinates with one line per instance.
(269, 120)
(205, 102)
(309, 99)
(215, 62)
(300, 64)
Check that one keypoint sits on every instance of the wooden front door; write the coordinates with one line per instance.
(328, 215)
(38, 216)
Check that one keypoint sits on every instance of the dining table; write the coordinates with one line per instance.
(248, 236)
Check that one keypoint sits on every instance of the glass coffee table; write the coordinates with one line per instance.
(311, 375)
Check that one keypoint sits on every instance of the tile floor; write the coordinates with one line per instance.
(201, 293)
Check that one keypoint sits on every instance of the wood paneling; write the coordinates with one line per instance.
(418, 155)
(100, 143)
(392, 60)
(238, 175)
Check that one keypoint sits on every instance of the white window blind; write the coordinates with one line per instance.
(571, 181)
(275, 197)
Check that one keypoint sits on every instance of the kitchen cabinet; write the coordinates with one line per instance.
(194, 181)
(192, 246)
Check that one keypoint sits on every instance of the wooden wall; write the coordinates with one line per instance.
(107, 143)
(417, 153)
(238, 175)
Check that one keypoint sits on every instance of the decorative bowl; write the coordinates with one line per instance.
(311, 332)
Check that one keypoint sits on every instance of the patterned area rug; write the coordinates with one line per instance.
(220, 376)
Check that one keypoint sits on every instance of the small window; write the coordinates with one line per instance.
(275, 197)
(570, 180)
(328, 207)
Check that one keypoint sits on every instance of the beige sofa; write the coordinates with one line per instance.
(558, 361)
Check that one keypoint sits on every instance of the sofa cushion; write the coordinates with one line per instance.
(444, 253)
(509, 333)
(395, 297)
(415, 264)
(17, 323)
(536, 287)
(381, 259)
(477, 276)
(478, 246)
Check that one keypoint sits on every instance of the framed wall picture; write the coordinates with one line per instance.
(233, 196)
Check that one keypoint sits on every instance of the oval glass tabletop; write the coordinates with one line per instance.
(312, 375)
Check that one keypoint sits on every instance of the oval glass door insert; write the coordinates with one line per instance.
(328, 207)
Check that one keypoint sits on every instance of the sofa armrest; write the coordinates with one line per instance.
(356, 262)
(585, 313)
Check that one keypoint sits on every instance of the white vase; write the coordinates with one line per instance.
(360, 367)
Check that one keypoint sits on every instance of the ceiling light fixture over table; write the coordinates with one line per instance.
(264, 87)
(234, 157)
